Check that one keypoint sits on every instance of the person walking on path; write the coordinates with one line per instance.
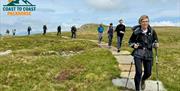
(7, 32)
(58, 30)
(29, 30)
(120, 29)
(14, 32)
(100, 33)
(143, 40)
(44, 29)
(73, 32)
(110, 32)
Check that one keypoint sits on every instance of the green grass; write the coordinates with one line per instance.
(169, 57)
(26, 69)
(44, 43)
(169, 52)
(90, 32)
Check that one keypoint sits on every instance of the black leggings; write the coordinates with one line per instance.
(147, 71)
(110, 37)
(73, 35)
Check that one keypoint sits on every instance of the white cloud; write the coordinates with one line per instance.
(169, 13)
(165, 23)
(160, 1)
(67, 26)
(104, 4)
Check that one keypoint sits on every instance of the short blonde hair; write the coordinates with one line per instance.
(142, 18)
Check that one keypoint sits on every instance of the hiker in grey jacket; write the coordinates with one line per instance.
(143, 39)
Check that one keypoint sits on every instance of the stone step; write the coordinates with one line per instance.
(151, 85)
(125, 74)
(65, 37)
(103, 45)
(95, 41)
(124, 59)
(115, 53)
(126, 68)
(5, 53)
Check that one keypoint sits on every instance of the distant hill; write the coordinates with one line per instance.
(93, 26)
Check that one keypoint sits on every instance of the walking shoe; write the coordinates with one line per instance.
(143, 85)
(118, 51)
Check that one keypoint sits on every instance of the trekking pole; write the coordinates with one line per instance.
(129, 74)
(157, 69)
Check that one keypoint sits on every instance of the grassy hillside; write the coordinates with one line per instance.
(51, 63)
(169, 51)
(169, 57)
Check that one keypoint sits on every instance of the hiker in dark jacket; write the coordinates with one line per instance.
(110, 32)
(120, 29)
(73, 31)
(44, 29)
(29, 30)
(143, 39)
(58, 30)
(7, 32)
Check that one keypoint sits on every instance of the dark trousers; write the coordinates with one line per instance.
(44, 32)
(73, 35)
(58, 33)
(28, 32)
(147, 71)
(119, 41)
(110, 37)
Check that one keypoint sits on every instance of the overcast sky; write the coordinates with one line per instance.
(78, 12)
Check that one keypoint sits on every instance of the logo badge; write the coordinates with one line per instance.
(19, 8)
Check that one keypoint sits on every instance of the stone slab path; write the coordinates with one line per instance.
(5, 53)
(150, 84)
(125, 60)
